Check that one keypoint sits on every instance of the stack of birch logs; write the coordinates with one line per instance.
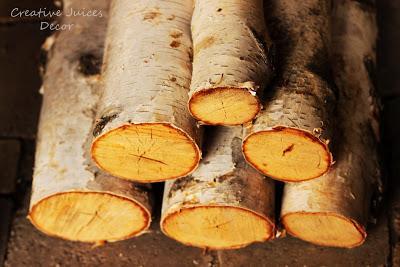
(287, 96)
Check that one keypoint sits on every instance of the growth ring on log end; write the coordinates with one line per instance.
(325, 229)
(146, 152)
(217, 227)
(287, 154)
(90, 216)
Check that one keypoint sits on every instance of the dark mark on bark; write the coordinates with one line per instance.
(89, 64)
(151, 15)
(190, 54)
(371, 69)
(102, 122)
(172, 17)
(175, 44)
(219, 9)
(237, 157)
(181, 184)
(204, 44)
(176, 34)
(236, 181)
(225, 177)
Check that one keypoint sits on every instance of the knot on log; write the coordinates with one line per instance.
(89, 64)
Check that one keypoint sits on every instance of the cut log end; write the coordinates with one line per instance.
(148, 152)
(224, 106)
(90, 217)
(287, 154)
(217, 227)
(324, 229)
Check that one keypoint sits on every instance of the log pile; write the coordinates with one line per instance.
(169, 67)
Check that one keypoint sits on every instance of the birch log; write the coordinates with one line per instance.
(333, 209)
(71, 198)
(230, 64)
(289, 139)
(224, 204)
(144, 131)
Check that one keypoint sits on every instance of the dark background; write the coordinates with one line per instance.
(22, 245)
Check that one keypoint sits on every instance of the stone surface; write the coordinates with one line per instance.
(5, 220)
(19, 80)
(9, 158)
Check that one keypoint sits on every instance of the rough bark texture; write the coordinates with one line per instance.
(64, 177)
(147, 72)
(230, 62)
(345, 191)
(225, 203)
(301, 104)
